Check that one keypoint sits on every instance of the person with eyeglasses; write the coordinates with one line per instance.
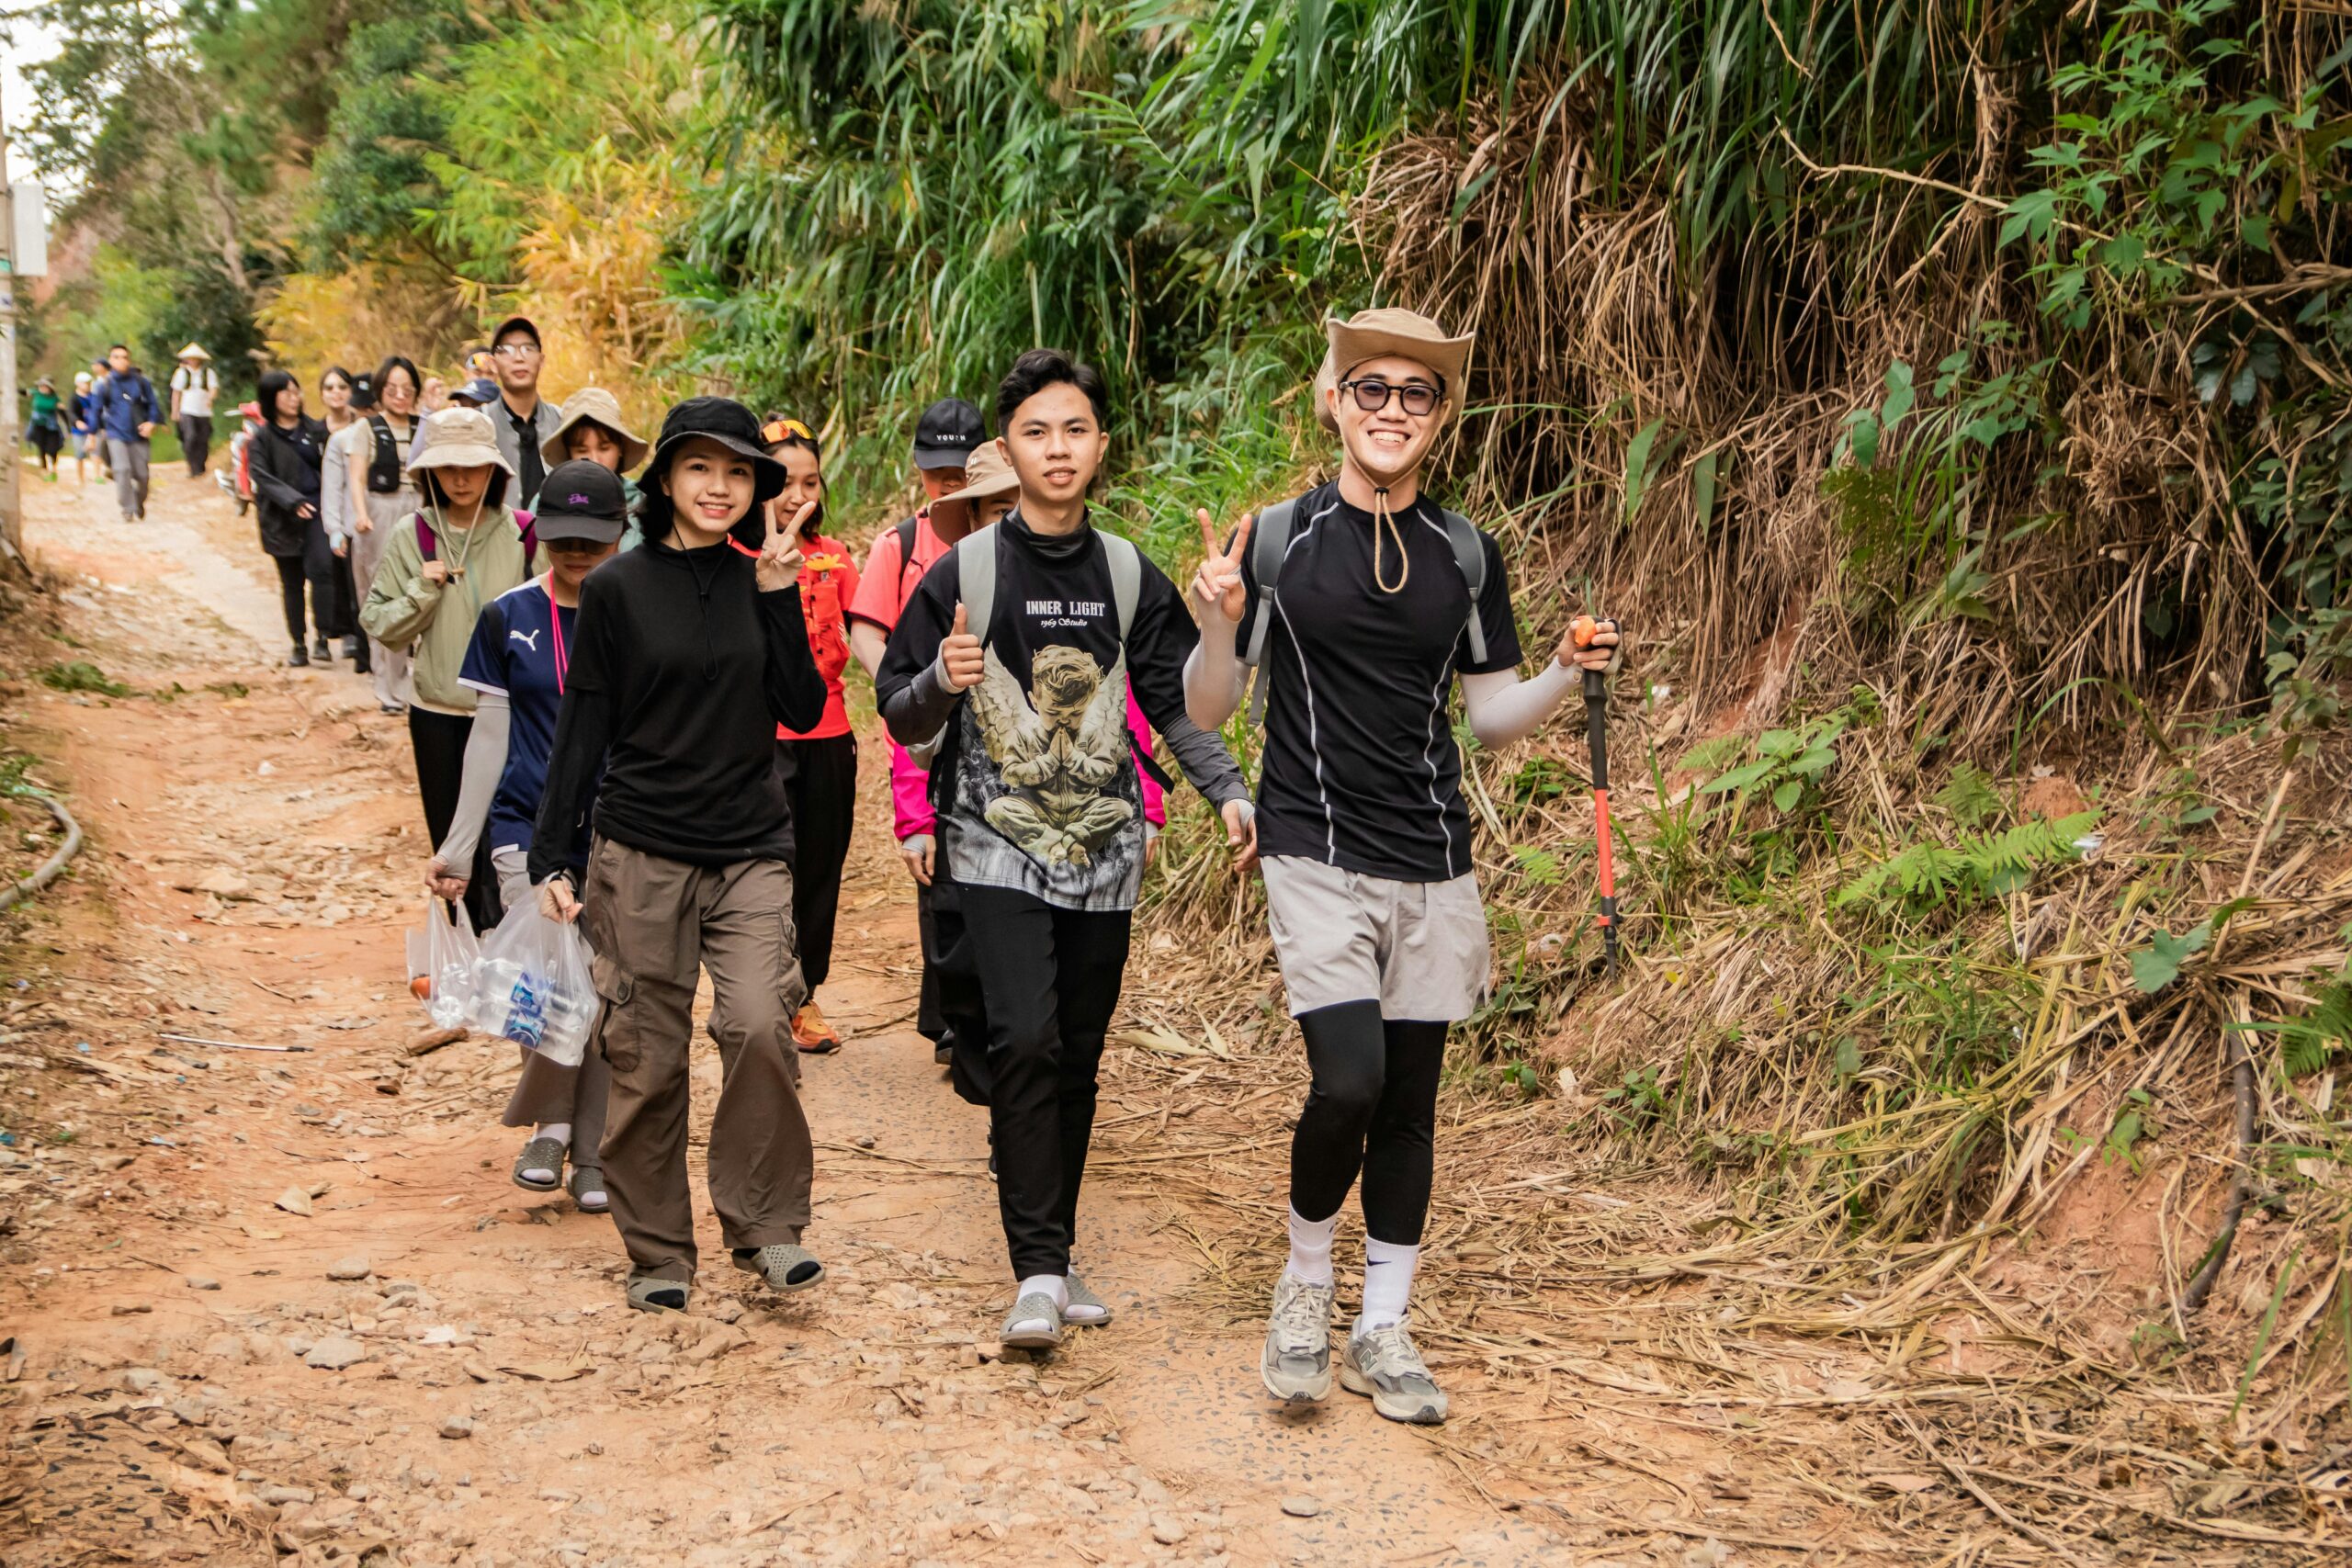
(522, 419)
(1359, 602)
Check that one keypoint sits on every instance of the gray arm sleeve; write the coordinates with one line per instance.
(485, 762)
(1205, 762)
(915, 714)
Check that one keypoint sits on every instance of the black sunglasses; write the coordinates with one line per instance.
(1372, 393)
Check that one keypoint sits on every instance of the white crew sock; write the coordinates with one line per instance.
(1310, 1248)
(1387, 1282)
(1045, 1285)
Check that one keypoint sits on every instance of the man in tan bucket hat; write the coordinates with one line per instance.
(1359, 603)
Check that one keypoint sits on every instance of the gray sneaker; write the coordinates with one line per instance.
(1382, 1364)
(1297, 1364)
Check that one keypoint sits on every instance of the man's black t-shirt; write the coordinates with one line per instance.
(1361, 769)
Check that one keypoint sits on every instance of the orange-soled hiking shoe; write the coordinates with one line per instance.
(812, 1033)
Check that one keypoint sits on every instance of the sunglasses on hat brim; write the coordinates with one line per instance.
(777, 429)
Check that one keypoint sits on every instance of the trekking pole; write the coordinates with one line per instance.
(1596, 734)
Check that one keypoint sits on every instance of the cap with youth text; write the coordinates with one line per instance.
(946, 434)
(582, 500)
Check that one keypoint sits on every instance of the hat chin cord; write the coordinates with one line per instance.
(1383, 524)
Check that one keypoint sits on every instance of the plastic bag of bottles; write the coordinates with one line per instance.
(532, 986)
(442, 956)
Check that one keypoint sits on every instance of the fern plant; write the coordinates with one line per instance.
(1931, 873)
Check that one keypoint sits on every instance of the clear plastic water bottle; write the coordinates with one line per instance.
(494, 984)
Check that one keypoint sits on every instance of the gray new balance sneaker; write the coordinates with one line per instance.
(1382, 1364)
(1297, 1365)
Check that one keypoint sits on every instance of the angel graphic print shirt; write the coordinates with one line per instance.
(1043, 795)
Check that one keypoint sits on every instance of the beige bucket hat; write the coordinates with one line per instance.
(193, 351)
(599, 405)
(459, 438)
(1326, 377)
(986, 474)
(1369, 335)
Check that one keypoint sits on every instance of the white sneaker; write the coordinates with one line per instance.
(1382, 1364)
(1296, 1364)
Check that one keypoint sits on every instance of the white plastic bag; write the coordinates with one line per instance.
(442, 955)
(533, 986)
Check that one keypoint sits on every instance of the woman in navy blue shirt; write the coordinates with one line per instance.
(515, 667)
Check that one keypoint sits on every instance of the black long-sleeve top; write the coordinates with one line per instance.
(284, 466)
(684, 668)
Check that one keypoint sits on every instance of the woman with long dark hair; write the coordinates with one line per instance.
(690, 653)
(284, 463)
(819, 766)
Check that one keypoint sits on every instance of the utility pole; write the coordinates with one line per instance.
(12, 440)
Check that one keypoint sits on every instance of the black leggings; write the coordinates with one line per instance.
(1371, 1107)
(438, 740)
(820, 780)
(1051, 981)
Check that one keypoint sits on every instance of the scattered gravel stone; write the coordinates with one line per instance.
(1299, 1505)
(353, 1268)
(202, 1282)
(1168, 1532)
(334, 1355)
(457, 1426)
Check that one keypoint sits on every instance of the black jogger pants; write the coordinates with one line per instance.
(1051, 980)
(820, 781)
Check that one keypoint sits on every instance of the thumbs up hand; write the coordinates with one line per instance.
(960, 660)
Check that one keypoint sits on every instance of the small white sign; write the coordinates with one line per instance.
(30, 249)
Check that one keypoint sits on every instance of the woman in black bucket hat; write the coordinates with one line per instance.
(690, 653)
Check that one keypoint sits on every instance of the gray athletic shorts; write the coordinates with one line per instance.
(1418, 948)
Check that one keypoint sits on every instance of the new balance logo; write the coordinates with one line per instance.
(528, 640)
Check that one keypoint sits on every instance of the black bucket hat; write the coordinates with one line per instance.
(731, 425)
(582, 500)
(734, 426)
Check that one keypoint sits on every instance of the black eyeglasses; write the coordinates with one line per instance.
(1371, 395)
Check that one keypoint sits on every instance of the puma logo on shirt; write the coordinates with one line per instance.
(528, 640)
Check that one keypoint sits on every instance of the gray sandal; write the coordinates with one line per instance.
(647, 1294)
(590, 1178)
(1034, 1324)
(785, 1266)
(1082, 1298)
(541, 1154)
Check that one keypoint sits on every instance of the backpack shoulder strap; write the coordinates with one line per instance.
(975, 579)
(425, 540)
(528, 524)
(1470, 555)
(1268, 544)
(1126, 579)
(906, 532)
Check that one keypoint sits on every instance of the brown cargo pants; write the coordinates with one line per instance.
(653, 924)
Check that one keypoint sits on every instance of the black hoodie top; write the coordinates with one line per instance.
(680, 672)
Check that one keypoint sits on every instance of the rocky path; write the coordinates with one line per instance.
(272, 1293)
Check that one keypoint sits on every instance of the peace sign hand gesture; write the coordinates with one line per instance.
(1217, 584)
(779, 563)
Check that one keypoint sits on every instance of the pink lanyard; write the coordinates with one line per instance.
(555, 625)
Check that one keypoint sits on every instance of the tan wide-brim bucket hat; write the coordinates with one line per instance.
(1326, 377)
(594, 403)
(986, 474)
(193, 351)
(459, 438)
(1371, 335)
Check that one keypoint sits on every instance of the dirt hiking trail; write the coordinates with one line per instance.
(274, 1297)
(273, 1301)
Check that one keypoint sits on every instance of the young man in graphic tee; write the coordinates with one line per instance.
(1375, 914)
(1041, 817)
